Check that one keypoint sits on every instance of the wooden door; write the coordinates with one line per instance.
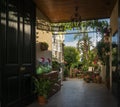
(18, 33)
(0, 58)
(118, 68)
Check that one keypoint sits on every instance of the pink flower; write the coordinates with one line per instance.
(42, 59)
(48, 60)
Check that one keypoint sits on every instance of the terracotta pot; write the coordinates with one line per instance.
(42, 100)
(98, 79)
(108, 83)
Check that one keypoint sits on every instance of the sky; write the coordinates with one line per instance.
(70, 41)
(69, 38)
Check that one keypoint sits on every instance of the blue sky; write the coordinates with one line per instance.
(69, 39)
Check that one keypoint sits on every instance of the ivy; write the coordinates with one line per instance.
(97, 25)
(101, 26)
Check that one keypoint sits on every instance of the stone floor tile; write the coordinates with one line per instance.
(77, 93)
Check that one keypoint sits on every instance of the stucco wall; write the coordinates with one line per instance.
(114, 19)
(43, 36)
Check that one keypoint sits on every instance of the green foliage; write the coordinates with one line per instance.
(103, 48)
(55, 65)
(114, 56)
(77, 65)
(73, 65)
(43, 69)
(71, 55)
(44, 46)
(66, 71)
(85, 68)
(42, 86)
(85, 64)
(87, 56)
(97, 25)
(84, 46)
(92, 56)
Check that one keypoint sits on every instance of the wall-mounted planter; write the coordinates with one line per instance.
(43, 46)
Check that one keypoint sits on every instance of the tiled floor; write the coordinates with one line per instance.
(77, 93)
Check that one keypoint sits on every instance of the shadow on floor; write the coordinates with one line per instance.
(77, 93)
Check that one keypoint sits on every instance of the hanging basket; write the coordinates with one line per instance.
(43, 46)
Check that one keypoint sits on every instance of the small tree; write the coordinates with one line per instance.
(71, 55)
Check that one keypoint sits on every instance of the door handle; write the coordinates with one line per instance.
(22, 68)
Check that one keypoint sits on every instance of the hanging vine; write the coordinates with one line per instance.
(97, 25)
(101, 26)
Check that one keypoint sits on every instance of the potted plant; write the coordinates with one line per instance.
(44, 46)
(43, 69)
(42, 89)
(55, 65)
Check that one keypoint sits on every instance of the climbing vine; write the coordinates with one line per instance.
(97, 25)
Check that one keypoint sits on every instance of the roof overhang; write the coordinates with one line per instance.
(62, 10)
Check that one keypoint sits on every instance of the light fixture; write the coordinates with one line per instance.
(76, 18)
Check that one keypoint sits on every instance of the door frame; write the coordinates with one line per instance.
(2, 46)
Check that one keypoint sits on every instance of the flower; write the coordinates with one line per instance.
(106, 31)
(48, 60)
(42, 59)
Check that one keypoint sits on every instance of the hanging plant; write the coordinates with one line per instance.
(43, 46)
(107, 31)
(103, 50)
